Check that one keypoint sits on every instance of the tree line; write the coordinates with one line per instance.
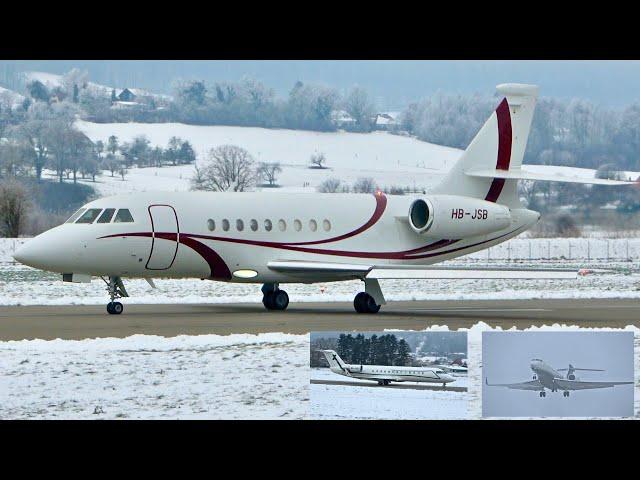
(374, 350)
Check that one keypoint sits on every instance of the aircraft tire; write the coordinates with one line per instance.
(267, 301)
(364, 303)
(115, 308)
(280, 300)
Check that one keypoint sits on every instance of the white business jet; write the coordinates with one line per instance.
(278, 238)
(546, 377)
(384, 374)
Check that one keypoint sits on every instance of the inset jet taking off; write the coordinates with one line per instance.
(278, 238)
(546, 377)
(385, 374)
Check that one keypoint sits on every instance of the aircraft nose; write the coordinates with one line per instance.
(50, 250)
(31, 253)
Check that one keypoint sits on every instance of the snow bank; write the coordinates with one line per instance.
(142, 377)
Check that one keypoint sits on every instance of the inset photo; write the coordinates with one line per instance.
(557, 374)
(388, 375)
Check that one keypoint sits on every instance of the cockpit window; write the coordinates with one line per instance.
(90, 215)
(123, 216)
(107, 215)
(75, 216)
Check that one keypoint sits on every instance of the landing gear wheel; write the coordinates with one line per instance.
(278, 300)
(565, 394)
(115, 308)
(267, 301)
(543, 394)
(380, 382)
(364, 303)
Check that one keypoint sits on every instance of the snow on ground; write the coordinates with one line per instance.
(341, 402)
(262, 376)
(21, 285)
(327, 374)
(389, 159)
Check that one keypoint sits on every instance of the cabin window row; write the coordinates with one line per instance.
(107, 215)
(267, 225)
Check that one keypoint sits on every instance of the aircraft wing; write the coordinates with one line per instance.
(580, 385)
(417, 271)
(551, 176)
(531, 385)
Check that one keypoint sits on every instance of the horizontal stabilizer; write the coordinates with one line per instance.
(522, 174)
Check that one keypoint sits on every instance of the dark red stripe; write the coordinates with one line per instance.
(219, 269)
(504, 149)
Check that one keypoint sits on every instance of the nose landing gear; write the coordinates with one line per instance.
(115, 288)
(565, 393)
(543, 394)
(274, 298)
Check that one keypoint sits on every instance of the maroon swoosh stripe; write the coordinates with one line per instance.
(504, 149)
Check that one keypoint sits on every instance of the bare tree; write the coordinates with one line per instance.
(318, 159)
(14, 205)
(330, 185)
(364, 185)
(358, 105)
(268, 172)
(228, 168)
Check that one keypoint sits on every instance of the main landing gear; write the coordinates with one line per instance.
(371, 299)
(565, 393)
(384, 382)
(364, 303)
(543, 394)
(116, 289)
(274, 298)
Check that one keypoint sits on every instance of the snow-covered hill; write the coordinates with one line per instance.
(389, 159)
(392, 160)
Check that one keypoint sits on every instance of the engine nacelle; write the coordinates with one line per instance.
(454, 216)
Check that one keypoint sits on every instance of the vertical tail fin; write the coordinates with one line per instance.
(499, 145)
(336, 363)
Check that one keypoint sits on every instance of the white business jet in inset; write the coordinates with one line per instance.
(385, 374)
(546, 377)
(278, 238)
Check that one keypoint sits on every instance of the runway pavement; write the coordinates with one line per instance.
(405, 386)
(79, 322)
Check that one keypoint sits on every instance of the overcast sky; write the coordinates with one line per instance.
(393, 83)
(506, 357)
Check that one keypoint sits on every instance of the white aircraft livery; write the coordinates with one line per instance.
(546, 377)
(384, 374)
(278, 238)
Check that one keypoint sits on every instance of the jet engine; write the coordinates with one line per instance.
(454, 216)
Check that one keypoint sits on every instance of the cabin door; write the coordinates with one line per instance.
(166, 235)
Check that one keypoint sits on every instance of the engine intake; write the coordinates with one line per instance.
(454, 216)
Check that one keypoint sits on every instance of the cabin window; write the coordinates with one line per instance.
(75, 216)
(267, 225)
(254, 224)
(211, 225)
(297, 224)
(90, 215)
(123, 216)
(313, 225)
(225, 225)
(107, 215)
(239, 225)
(326, 224)
(282, 225)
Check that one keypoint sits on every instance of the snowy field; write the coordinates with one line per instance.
(21, 285)
(389, 159)
(262, 376)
